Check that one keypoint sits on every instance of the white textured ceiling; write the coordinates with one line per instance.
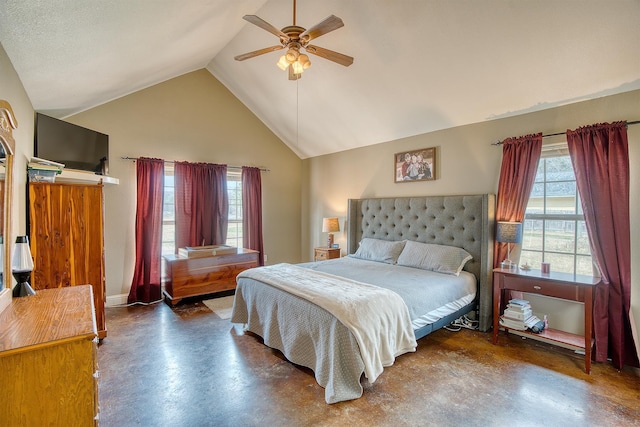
(420, 65)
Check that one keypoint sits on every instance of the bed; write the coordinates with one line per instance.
(311, 312)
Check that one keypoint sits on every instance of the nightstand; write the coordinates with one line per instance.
(322, 254)
(573, 287)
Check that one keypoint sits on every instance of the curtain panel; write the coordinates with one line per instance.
(146, 284)
(600, 158)
(520, 158)
(252, 210)
(201, 204)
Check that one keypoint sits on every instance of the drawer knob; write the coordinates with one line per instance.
(537, 288)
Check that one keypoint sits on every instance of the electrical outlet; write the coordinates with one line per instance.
(265, 259)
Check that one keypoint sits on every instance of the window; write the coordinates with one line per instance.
(234, 230)
(168, 213)
(554, 226)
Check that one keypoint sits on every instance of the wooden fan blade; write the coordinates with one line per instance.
(255, 20)
(257, 52)
(329, 24)
(330, 55)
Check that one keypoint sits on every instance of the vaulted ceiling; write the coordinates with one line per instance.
(420, 65)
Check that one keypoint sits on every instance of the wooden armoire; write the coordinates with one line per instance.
(66, 228)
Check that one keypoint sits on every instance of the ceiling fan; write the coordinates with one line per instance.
(294, 38)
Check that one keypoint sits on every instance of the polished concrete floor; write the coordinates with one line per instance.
(184, 366)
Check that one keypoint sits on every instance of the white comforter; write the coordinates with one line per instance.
(377, 317)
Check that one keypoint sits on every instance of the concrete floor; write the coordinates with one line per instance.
(184, 366)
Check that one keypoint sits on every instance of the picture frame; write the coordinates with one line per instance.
(415, 165)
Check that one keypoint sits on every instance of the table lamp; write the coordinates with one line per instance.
(509, 232)
(330, 225)
(21, 267)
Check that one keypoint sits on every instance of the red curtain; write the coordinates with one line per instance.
(201, 204)
(600, 158)
(252, 210)
(146, 285)
(520, 158)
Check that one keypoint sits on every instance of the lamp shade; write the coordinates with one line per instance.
(21, 260)
(509, 232)
(282, 63)
(304, 61)
(330, 225)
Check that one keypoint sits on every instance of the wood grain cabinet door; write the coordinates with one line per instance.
(67, 241)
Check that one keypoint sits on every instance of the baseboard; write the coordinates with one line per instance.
(120, 300)
(116, 300)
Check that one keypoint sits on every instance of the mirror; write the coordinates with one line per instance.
(7, 148)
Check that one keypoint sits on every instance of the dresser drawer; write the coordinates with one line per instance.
(543, 287)
(322, 254)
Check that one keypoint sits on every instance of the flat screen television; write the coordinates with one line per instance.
(74, 146)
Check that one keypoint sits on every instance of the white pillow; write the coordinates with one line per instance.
(379, 250)
(428, 256)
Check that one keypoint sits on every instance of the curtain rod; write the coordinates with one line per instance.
(564, 133)
(173, 161)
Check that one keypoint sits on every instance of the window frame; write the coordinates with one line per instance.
(544, 253)
(235, 176)
(237, 222)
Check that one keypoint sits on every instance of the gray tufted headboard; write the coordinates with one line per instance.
(463, 221)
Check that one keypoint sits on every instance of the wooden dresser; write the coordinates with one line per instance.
(48, 359)
(188, 277)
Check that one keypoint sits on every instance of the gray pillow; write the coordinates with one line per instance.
(428, 256)
(379, 250)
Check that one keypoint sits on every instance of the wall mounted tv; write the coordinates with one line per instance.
(74, 146)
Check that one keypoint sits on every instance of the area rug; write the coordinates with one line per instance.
(220, 306)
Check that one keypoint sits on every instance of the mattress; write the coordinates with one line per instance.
(429, 296)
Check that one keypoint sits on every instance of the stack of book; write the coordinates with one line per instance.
(518, 315)
(38, 163)
(43, 170)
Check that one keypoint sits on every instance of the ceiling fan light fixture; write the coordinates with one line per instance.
(292, 55)
(304, 61)
(283, 64)
(297, 67)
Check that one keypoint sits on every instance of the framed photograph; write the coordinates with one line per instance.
(415, 165)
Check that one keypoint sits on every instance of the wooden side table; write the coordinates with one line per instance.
(573, 287)
(324, 253)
